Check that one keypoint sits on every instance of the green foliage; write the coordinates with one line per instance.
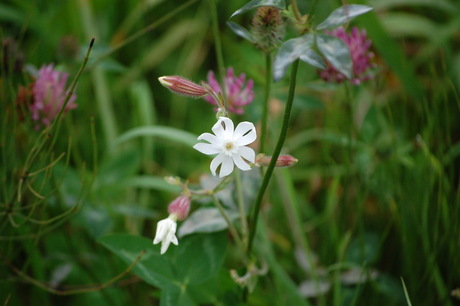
(369, 215)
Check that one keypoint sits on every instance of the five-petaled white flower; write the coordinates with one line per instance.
(229, 144)
(166, 233)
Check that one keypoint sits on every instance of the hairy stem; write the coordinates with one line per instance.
(276, 153)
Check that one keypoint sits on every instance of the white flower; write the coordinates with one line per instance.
(166, 233)
(229, 144)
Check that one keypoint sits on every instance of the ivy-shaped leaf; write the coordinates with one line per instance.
(257, 3)
(240, 31)
(336, 52)
(289, 51)
(343, 15)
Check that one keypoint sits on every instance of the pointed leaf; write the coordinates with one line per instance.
(343, 15)
(289, 51)
(240, 31)
(336, 52)
(313, 58)
(256, 3)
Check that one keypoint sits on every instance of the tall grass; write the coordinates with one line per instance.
(373, 199)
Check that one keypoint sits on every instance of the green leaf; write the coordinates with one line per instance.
(240, 31)
(343, 15)
(197, 259)
(169, 133)
(313, 58)
(153, 268)
(257, 3)
(205, 220)
(336, 52)
(289, 51)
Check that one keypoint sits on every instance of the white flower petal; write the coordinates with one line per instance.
(242, 129)
(166, 233)
(164, 246)
(223, 131)
(174, 240)
(247, 153)
(206, 148)
(216, 162)
(240, 163)
(248, 130)
(209, 138)
(227, 166)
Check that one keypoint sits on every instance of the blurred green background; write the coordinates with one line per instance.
(373, 199)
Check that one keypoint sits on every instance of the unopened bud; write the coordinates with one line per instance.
(282, 161)
(183, 87)
(180, 207)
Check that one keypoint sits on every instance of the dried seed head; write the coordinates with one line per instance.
(267, 28)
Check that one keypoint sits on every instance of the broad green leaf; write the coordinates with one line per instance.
(313, 58)
(205, 220)
(169, 133)
(336, 52)
(240, 31)
(343, 15)
(153, 268)
(257, 3)
(289, 51)
(194, 261)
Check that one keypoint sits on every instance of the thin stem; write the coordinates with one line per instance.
(79, 290)
(276, 153)
(230, 225)
(217, 41)
(268, 83)
(241, 207)
(295, 8)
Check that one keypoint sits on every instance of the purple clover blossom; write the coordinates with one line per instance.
(50, 92)
(359, 45)
(236, 93)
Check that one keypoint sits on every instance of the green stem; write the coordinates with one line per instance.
(230, 225)
(295, 8)
(276, 153)
(241, 207)
(268, 83)
(217, 41)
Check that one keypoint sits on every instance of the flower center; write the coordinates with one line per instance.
(229, 147)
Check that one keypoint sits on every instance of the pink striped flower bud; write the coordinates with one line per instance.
(180, 207)
(183, 87)
(282, 161)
